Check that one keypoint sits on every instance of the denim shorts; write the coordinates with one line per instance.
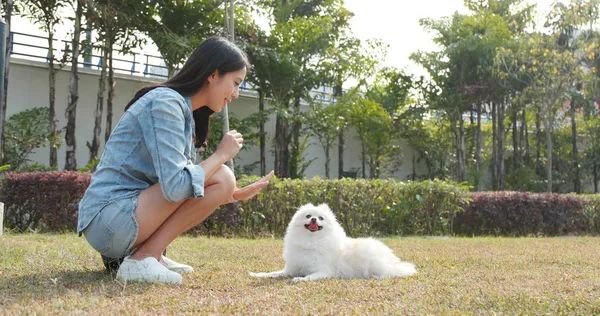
(114, 230)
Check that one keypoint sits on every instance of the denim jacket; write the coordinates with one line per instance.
(152, 143)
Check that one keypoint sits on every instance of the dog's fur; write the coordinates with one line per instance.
(316, 247)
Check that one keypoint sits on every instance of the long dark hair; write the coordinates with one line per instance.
(215, 53)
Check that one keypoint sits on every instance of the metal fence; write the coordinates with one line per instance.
(34, 47)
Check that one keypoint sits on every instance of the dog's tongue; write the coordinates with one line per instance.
(313, 226)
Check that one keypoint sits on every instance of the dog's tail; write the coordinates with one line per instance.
(403, 269)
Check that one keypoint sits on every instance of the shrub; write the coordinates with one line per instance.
(24, 132)
(521, 214)
(363, 207)
(48, 201)
(592, 212)
(43, 200)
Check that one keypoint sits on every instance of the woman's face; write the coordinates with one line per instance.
(223, 88)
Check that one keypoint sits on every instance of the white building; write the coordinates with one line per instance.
(28, 88)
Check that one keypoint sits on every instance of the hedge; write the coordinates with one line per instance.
(47, 201)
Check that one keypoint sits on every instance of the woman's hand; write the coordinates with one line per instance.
(230, 145)
(251, 190)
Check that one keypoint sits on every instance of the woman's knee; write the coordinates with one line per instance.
(226, 179)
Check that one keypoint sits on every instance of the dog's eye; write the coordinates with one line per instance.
(321, 218)
(308, 216)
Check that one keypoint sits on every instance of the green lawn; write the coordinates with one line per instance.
(51, 274)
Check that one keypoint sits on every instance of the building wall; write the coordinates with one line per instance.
(28, 88)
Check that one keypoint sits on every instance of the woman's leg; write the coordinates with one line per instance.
(161, 221)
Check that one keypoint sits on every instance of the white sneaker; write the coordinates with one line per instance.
(147, 270)
(175, 266)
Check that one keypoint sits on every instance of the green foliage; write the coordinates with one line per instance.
(325, 123)
(375, 130)
(592, 211)
(91, 166)
(44, 12)
(25, 132)
(178, 27)
(363, 207)
(244, 126)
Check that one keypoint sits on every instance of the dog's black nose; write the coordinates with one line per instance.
(314, 220)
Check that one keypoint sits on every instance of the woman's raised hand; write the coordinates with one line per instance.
(250, 190)
(230, 145)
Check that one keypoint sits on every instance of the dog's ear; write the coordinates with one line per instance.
(324, 207)
(305, 207)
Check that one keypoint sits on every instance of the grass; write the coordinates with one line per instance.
(56, 274)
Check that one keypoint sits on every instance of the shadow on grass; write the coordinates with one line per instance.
(61, 284)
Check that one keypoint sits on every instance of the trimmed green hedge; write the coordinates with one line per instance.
(363, 207)
(47, 201)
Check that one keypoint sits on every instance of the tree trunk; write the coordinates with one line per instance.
(338, 93)
(70, 113)
(327, 162)
(515, 139)
(595, 178)
(371, 167)
(547, 128)
(281, 149)
(456, 149)
(95, 145)
(462, 163)
(494, 147)
(525, 137)
(377, 165)
(478, 148)
(414, 168)
(341, 154)
(295, 154)
(52, 99)
(282, 142)
(500, 153)
(9, 7)
(538, 144)
(363, 159)
(261, 128)
(111, 90)
(576, 179)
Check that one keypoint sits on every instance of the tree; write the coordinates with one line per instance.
(548, 72)
(115, 23)
(25, 132)
(567, 21)
(298, 42)
(325, 123)
(349, 58)
(8, 10)
(71, 111)
(375, 130)
(45, 12)
(178, 27)
(254, 44)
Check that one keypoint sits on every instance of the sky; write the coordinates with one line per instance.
(395, 22)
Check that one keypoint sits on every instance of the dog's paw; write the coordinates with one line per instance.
(299, 279)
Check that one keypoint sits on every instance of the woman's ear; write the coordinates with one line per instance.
(213, 76)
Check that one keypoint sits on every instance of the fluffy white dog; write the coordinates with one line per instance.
(316, 247)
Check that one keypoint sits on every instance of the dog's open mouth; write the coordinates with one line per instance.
(313, 227)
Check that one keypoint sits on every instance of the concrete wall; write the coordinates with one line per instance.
(28, 88)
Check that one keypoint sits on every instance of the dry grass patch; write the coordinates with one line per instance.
(51, 274)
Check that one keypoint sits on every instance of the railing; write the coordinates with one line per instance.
(35, 47)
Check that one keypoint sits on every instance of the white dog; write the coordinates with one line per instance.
(316, 247)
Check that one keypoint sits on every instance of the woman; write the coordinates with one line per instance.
(147, 190)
